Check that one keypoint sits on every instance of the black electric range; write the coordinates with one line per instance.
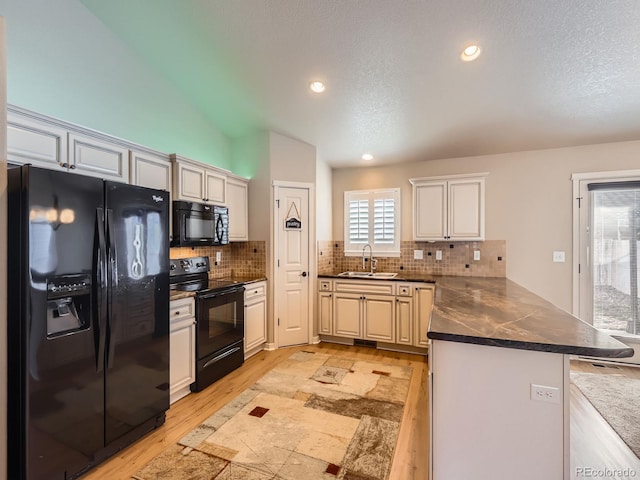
(219, 318)
(192, 275)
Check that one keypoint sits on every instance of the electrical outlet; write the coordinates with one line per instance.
(558, 256)
(476, 255)
(218, 257)
(542, 393)
(438, 254)
(418, 254)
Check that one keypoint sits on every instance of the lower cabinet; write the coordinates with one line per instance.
(325, 313)
(404, 320)
(423, 300)
(182, 347)
(389, 312)
(255, 317)
(378, 314)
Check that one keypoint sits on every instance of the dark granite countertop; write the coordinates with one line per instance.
(499, 312)
(401, 277)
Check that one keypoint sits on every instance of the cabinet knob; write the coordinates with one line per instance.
(72, 167)
(177, 312)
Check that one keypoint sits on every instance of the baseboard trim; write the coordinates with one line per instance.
(270, 347)
(315, 340)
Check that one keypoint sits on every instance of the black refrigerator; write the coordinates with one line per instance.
(88, 319)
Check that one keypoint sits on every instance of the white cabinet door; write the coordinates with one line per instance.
(423, 302)
(255, 323)
(430, 211)
(379, 317)
(448, 208)
(466, 209)
(347, 309)
(325, 313)
(237, 202)
(404, 320)
(215, 188)
(188, 183)
(98, 158)
(38, 143)
(255, 316)
(150, 171)
(182, 356)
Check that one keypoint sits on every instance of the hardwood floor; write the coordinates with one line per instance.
(411, 455)
(594, 444)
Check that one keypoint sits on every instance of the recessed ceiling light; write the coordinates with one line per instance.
(367, 156)
(470, 52)
(317, 87)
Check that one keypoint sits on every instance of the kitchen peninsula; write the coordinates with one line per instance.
(499, 380)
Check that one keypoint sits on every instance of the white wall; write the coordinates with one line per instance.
(3, 255)
(528, 203)
(253, 150)
(324, 210)
(291, 160)
(64, 62)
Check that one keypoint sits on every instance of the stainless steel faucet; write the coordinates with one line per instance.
(372, 260)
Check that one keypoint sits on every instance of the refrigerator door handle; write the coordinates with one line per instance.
(101, 286)
(112, 277)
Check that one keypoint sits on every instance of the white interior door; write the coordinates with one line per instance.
(292, 266)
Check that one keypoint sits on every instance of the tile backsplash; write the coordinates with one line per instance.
(457, 259)
(244, 259)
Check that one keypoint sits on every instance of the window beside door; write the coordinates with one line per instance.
(614, 232)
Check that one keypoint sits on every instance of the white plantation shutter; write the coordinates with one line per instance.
(359, 221)
(373, 217)
(384, 221)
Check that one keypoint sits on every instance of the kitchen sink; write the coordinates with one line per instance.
(381, 275)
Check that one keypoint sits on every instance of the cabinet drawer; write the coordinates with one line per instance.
(404, 290)
(325, 285)
(183, 308)
(258, 289)
(373, 286)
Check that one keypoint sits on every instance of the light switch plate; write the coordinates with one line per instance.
(558, 256)
(476, 255)
(218, 256)
(438, 254)
(418, 254)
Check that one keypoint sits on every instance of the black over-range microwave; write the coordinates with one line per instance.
(198, 224)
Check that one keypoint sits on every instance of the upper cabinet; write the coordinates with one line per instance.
(238, 204)
(34, 141)
(98, 158)
(51, 143)
(448, 208)
(196, 182)
(150, 170)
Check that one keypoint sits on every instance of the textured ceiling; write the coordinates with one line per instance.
(552, 73)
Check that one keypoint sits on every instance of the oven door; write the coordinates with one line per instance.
(220, 320)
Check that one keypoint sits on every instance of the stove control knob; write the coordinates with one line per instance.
(172, 267)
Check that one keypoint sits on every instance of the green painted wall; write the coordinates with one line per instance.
(63, 62)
